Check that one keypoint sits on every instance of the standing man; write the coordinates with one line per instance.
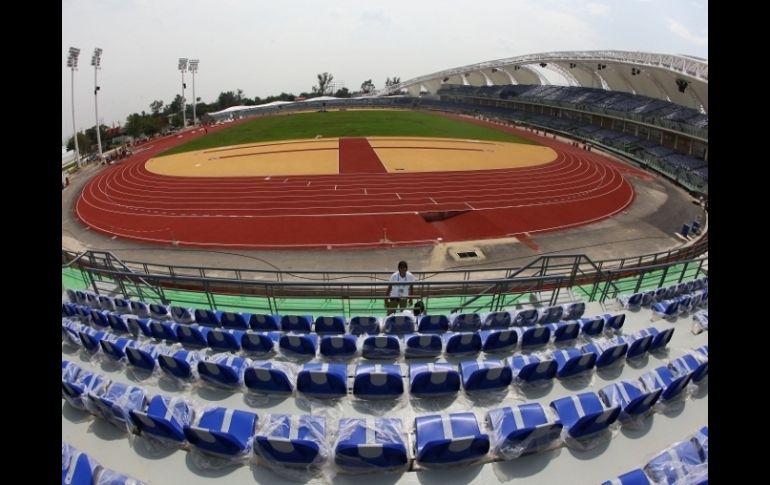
(400, 291)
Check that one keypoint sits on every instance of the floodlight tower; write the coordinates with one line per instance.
(96, 61)
(193, 70)
(72, 63)
(182, 69)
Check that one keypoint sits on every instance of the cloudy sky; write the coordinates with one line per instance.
(265, 47)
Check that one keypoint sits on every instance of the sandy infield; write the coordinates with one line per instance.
(321, 157)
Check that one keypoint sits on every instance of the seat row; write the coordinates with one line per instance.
(86, 303)
(346, 346)
(80, 469)
(683, 462)
(648, 298)
(360, 443)
(374, 381)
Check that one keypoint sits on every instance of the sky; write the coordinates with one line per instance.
(268, 47)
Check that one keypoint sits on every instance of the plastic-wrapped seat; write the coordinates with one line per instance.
(225, 340)
(330, 325)
(122, 305)
(426, 380)
(637, 346)
(211, 318)
(159, 312)
(667, 309)
(381, 347)
(613, 322)
(181, 314)
(633, 399)
(364, 325)
(378, 381)
(485, 374)
(99, 318)
(525, 428)
(564, 331)
(182, 364)
(462, 343)
(300, 344)
(446, 439)
(292, 440)
(573, 311)
(572, 361)
(524, 318)
(398, 324)
(235, 320)
(117, 323)
(77, 468)
(106, 303)
(634, 477)
(115, 348)
(683, 462)
(193, 335)
(606, 351)
(145, 356)
(116, 402)
(269, 378)
(498, 340)
(90, 339)
(493, 320)
(583, 415)
(632, 302)
(701, 438)
(663, 378)
(165, 418)
(422, 345)
(659, 339)
(69, 371)
(530, 368)
(465, 322)
(296, 323)
(370, 444)
(433, 323)
(591, 326)
(140, 308)
(534, 336)
(75, 391)
(550, 314)
(223, 370)
(323, 380)
(263, 322)
(163, 330)
(138, 326)
(260, 342)
(222, 431)
(338, 346)
(694, 363)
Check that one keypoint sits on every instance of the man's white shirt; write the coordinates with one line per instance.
(400, 290)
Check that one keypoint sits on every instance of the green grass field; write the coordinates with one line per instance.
(334, 124)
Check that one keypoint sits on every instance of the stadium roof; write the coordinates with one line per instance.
(676, 78)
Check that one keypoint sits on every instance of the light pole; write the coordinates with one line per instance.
(182, 69)
(96, 61)
(193, 70)
(72, 63)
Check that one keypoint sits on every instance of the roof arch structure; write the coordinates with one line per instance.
(676, 78)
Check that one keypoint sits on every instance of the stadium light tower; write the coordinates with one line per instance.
(193, 70)
(96, 61)
(72, 63)
(182, 69)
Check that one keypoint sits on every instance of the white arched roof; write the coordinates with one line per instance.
(680, 79)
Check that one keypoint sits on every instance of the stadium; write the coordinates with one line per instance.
(223, 287)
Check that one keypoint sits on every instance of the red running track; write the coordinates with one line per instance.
(358, 156)
(354, 209)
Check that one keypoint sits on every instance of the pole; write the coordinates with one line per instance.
(184, 105)
(195, 118)
(74, 126)
(96, 112)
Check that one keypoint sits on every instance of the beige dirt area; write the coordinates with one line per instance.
(321, 157)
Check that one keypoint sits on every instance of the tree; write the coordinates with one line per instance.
(392, 82)
(342, 93)
(156, 106)
(324, 81)
(227, 99)
(367, 86)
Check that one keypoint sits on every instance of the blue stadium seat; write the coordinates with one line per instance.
(370, 444)
(182, 364)
(269, 378)
(165, 418)
(181, 314)
(364, 325)
(524, 428)
(193, 335)
(591, 326)
(422, 345)
(145, 356)
(564, 332)
(550, 314)
(465, 322)
(684, 462)
(225, 340)
(381, 347)
(462, 343)
(140, 308)
(524, 318)
(633, 399)
(571, 362)
(163, 330)
(659, 339)
(86, 382)
(663, 378)
(159, 312)
(260, 342)
(323, 380)
(496, 320)
(115, 347)
(485, 374)
(115, 403)
(225, 370)
(262, 322)
(235, 320)
(634, 477)
(426, 380)
(330, 325)
(296, 323)
(433, 323)
(446, 439)
(77, 468)
(222, 431)
(695, 364)
(530, 368)
(613, 322)
(573, 311)
(534, 336)
(204, 316)
(106, 303)
(305, 345)
(584, 415)
(398, 324)
(637, 347)
(378, 381)
(292, 440)
(606, 351)
(338, 346)
(498, 340)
